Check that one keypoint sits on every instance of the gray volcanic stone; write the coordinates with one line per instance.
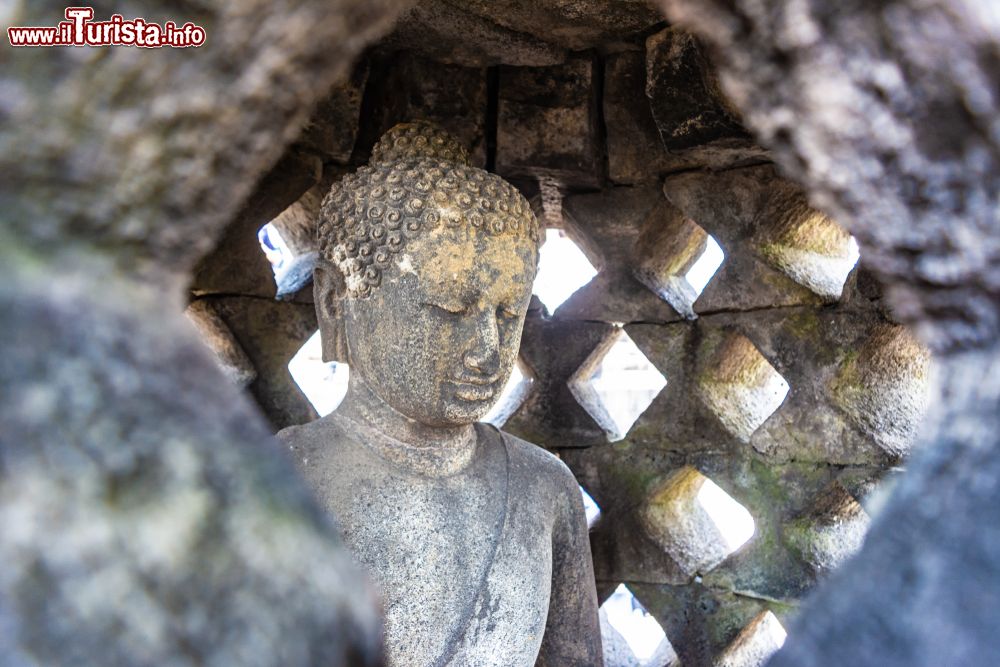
(635, 151)
(232, 360)
(547, 123)
(272, 332)
(688, 106)
(884, 113)
(440, 30)
(333, 127)
(147, 517)
(413, 88)
(572, 24)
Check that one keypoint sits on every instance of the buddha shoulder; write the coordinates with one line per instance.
(548, 474)
(314, 445)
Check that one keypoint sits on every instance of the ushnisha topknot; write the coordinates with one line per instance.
(419, 177)
(415, 140)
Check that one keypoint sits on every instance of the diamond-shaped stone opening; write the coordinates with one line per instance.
(324, 383)
(616, 384)
(562, 269)
(811, 249)
(591, 507)
(695, 522)
(739, 385)
(513, 396)
(676, 261)
(883, 388)
(289, 243)
(757, 642)
(830, 531)
(625, 621)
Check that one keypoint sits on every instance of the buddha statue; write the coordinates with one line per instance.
(477, 540)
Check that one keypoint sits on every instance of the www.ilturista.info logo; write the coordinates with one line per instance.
(80, 30)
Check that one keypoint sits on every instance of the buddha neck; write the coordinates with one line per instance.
(425, 450)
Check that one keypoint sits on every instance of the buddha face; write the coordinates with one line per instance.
(438, 338)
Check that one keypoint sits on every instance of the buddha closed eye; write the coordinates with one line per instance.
(436, 271)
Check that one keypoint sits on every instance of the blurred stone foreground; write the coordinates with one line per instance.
(146, 517)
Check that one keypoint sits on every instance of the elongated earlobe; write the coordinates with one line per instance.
(329, 292)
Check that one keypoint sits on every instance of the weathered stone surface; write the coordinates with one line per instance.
(683, 90)
(410, 88)
(808, 348)
(162, 183)
(699, 621)
(271, 332)
(147, 517)
(831, 531)
(884, 114)
(297, 227)
(480, 33)
(611, 225)
(333, 126)
(555, 349)
(237, 265)
(232, 360)
(635, 151)
(617, 652)
(754, 210)
(576, 25)
(607, 226)
(477, 540)
(737, 383)
(883, 388)
(866, 110)
(547, 123)
(674, 519)
(441, 30)
(757, 642)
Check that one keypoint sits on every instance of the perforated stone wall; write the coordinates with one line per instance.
(788, 387)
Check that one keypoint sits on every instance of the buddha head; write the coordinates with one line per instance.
(424, 277)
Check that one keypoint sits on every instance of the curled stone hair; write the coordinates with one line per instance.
(419, 178)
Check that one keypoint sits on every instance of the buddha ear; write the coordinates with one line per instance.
(329, 293)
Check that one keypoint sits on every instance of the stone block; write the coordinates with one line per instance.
(271, 332)
(554, 350)
(755, 212)
(807, 347)
(442, 31)
(635, 151)
(738, 384)
(333, 127)
(296, 226)
(607, 226)
(230, 357)
(701, 622)
(407, 87)
(547, 123)
(576, 25)
(670, 258)
(683, 90)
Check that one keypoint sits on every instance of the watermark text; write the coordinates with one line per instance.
(79, 29)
